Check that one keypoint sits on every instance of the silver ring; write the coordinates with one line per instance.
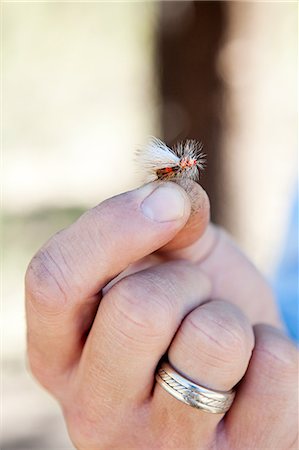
(209, 400)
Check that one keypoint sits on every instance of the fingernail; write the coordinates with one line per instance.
(164, 204)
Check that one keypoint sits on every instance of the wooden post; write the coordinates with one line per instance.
(189, 37)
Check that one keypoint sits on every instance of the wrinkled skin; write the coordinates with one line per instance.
(176, 284)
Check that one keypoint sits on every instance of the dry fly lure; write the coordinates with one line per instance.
(183, 160)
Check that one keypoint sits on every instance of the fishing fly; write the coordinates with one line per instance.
(160, 162)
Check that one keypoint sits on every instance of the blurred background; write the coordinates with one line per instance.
(84, 85)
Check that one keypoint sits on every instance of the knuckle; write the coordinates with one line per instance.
(221, 335)
(141, 306)
(276, 356)
(45, 282)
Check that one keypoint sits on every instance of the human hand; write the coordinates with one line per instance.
(98, 356)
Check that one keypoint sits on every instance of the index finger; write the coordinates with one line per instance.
(198, 220)
(64, 278)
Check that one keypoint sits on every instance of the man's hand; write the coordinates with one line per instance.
(137, 277)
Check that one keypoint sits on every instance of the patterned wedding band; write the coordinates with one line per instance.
(216, 402)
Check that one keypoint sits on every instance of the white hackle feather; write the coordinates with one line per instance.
(157, 155)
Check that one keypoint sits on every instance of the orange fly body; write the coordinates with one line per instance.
(184, 160)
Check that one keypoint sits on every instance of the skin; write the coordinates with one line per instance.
(140, 275)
